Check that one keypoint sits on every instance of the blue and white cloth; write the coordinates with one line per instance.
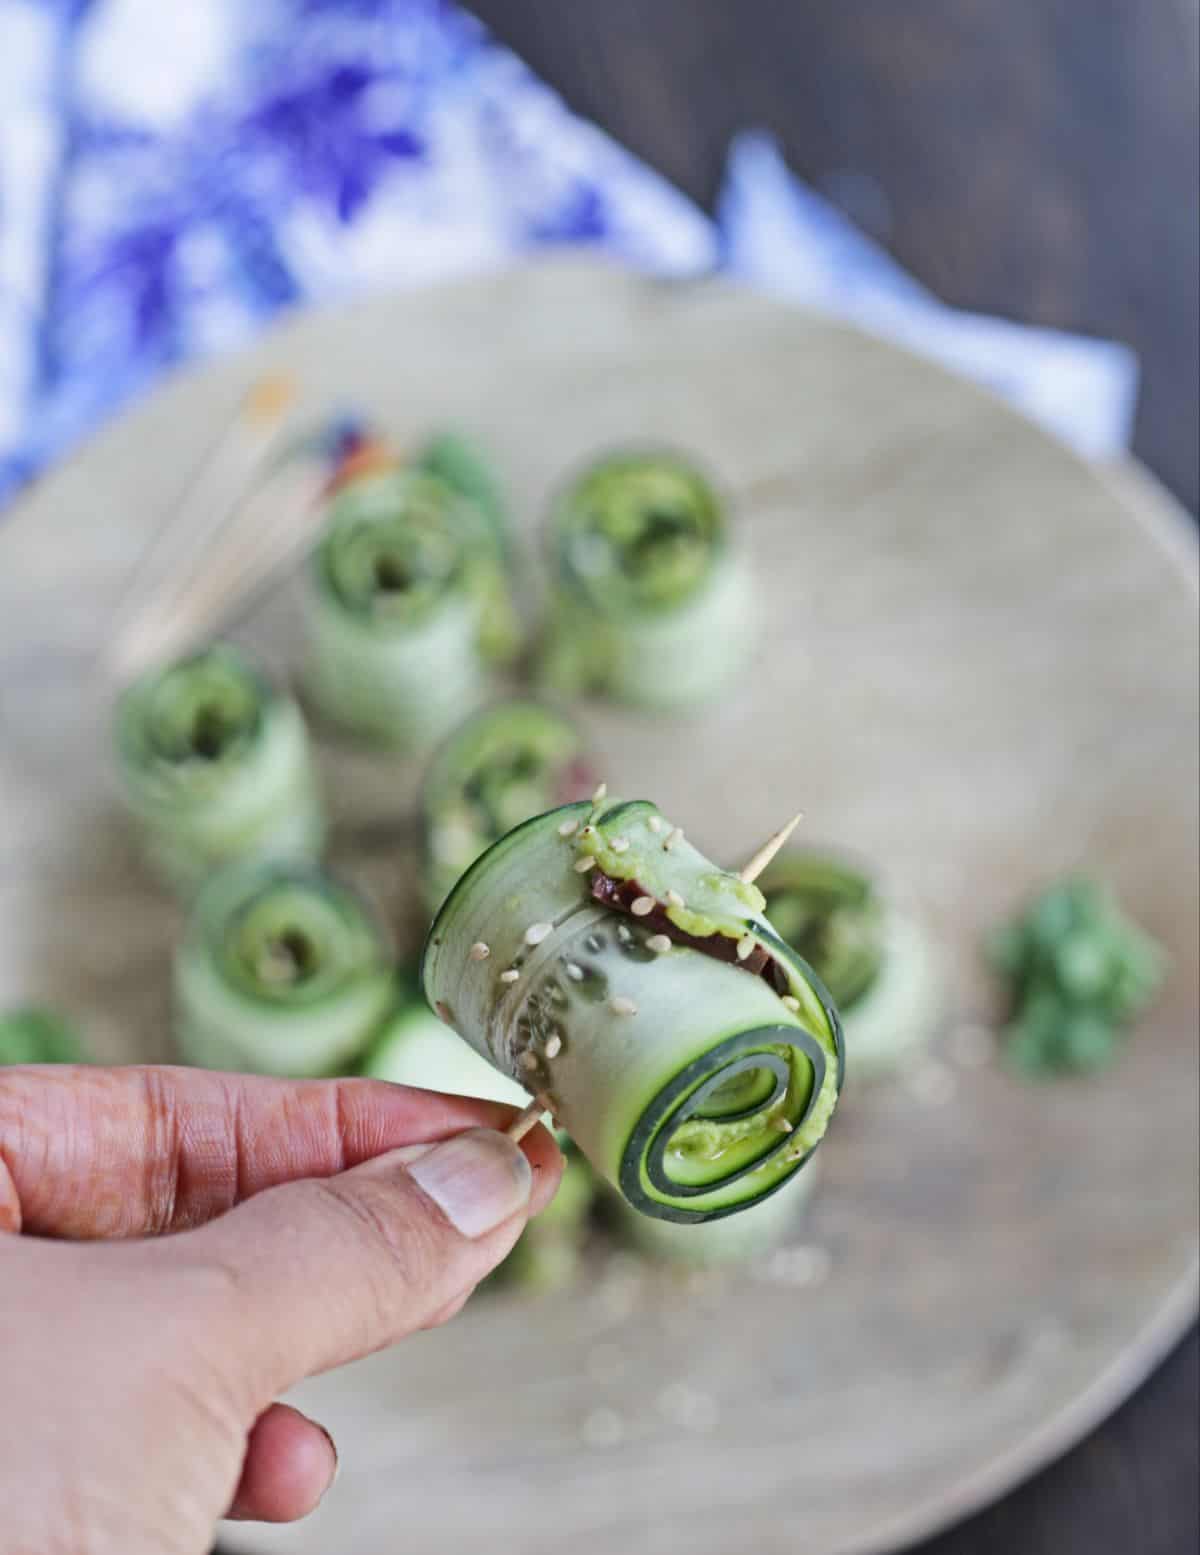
(174, 173)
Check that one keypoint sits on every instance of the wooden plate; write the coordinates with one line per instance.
(980, 668)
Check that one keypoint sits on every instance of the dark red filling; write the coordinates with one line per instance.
(621, 895)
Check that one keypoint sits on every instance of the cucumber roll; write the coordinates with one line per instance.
(732, 1240)
(652, 602)
(504, 765)
(215, 765)
(600, 960)
(408, 605)
(282, 971)
(872, 953)
(33, 1036)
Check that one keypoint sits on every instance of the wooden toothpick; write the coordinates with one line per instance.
(751, 870)
(526, 1119)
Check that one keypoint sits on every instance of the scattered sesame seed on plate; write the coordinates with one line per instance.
(553, 1047)
(479, 951)
(620, 1004)
(510, 976)
(569, 827)
(575, 971)
(537, 932)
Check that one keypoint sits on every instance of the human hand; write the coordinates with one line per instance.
(196, 1243)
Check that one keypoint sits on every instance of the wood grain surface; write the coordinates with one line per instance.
(980, 666)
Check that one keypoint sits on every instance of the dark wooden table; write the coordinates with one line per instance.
(1038, 159)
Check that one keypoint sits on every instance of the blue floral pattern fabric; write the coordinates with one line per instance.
(173, 175)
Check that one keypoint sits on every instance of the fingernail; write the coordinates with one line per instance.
(337, 1462)
(478, 1180)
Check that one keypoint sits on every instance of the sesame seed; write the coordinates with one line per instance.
(575, 971)
(790, 1002)
(659, 944)
(510, 976)
(601, 793)
(582, 865)
(673, 836)
(537, 932)
(745, 948)
(620, 844)
(782, 1125)
(479, 951)
(642, 905)
(568, 828)
(620, 1005)
(553, 1047)
(674, 899)
(529, 1060)
(654, 822)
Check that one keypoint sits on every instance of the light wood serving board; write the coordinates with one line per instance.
(980, 668)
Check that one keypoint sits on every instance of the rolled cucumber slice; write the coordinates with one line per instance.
(600, 960)
(735, 1239)
(282, 971)
(873, 954)
(506, 764)
(215, 765)
(35, 1036)
(408, 604)
(652, 601)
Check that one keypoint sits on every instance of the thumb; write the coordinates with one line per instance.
(319, 1272)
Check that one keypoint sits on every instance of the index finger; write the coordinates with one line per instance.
(87, 1152)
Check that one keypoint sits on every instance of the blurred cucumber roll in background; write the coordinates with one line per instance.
(30, 1035)
(507, 763)
(872, 952)
(651, 595)
(283, 971)
(408, 606)
(215, 765)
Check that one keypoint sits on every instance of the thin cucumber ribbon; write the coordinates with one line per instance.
(215, 765)
(599, 959)
(504, 765)
(408, 604)
(873, 953)
(282, 971)
(652, 599)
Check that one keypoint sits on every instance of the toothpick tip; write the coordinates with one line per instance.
(754, 866)
(269, 398)
(525, 1120)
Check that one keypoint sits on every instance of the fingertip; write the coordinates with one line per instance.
(290, 1463)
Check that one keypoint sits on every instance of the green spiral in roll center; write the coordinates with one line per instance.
(640, 532)
(203, 711)
(390, 555)
(295, 938)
